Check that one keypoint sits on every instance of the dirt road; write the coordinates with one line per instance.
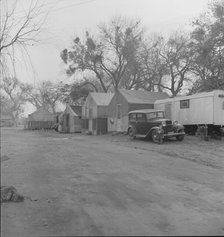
(108, 185)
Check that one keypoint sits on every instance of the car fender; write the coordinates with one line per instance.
(154, 128)
(179, 127)
(130, 126)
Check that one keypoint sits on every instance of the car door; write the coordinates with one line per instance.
(141, 124)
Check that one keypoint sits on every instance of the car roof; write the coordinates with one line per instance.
(145, 111)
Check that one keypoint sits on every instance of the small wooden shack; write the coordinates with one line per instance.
(70, 120)
(40, 119)
(95, 113)
(125, 101)
(205, 108)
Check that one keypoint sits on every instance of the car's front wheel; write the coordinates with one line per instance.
(180, 137)
(156, 137)
(132, 133)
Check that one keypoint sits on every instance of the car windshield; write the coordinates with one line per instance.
(154, 115)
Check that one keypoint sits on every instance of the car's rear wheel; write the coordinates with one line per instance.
(180, 137)
(132, 133)
(156, 137)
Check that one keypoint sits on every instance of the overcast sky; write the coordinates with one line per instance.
(69, 18)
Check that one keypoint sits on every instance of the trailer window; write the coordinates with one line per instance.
(184, 104)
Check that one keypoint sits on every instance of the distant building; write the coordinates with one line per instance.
(70, 120)
(95, 113)
(125, 101)
(6, 120)
(40, 119)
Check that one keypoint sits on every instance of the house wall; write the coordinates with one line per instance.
(41, 115)
(116, 122)
(89, 109)
(121, 124)
(94, 117)
(33, 125)
(40, 119)
(140, 106)
(74, 122)
(102, 112)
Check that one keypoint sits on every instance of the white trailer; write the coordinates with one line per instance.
(205, 108)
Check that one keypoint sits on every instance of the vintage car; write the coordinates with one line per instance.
(152, 123)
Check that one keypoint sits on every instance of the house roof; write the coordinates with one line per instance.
(102, 99)
(76, 109)
(142, 97)
(41, 114)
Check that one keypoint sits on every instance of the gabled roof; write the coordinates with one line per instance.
(102, 99)
(41, 114)
(76, 109)
(142, 97)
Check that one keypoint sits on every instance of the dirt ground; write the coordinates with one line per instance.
(77, 184)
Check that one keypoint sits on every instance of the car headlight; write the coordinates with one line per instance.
(163, 123)
(175, 123)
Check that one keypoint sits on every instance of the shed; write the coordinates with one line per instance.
(70, 119)
(198, 109)
(95, 113)
(40, 119)
(125, 101)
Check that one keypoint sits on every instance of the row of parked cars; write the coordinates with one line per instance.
(151, 123)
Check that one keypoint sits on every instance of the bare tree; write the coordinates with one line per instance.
(153, 66)
(12, 97)
(177, 54)
(110, 55)
(46, 95)
(18, 30)
(208, 49)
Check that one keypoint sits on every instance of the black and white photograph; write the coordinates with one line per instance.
(112, 118)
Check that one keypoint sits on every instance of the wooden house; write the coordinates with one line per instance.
(205, 108)
(125, 101)
(95, 113)
(70, 119)
(40, 119)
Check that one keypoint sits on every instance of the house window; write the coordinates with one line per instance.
(184, 104)
(119, 111)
